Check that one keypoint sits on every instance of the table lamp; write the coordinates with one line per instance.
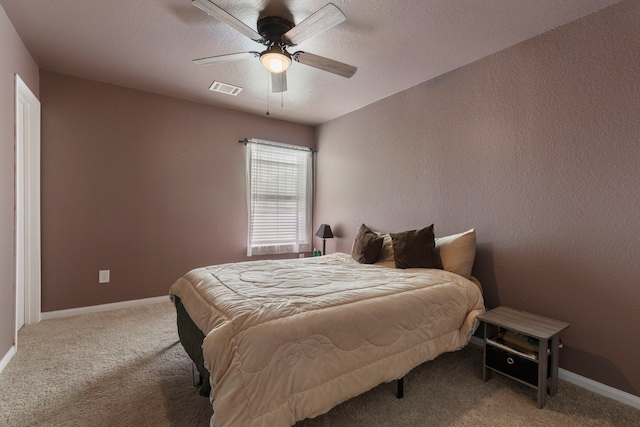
(324, 232)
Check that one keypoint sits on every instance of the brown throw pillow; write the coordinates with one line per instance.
(366, 246)
(415, 249)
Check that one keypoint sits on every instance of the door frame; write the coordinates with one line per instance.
(27, 203)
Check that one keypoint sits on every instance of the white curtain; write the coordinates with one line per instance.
(279, 197)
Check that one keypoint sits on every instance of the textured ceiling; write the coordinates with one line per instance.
(149, 45)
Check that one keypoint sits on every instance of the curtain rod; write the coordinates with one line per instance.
(276, 144)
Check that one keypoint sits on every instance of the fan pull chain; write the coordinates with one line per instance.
(268, 90)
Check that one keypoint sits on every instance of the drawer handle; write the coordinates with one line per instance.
(510, 360)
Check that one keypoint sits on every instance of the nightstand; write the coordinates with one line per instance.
(524, 347)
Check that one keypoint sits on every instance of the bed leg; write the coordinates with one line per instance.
(200, 380)
(400, 393)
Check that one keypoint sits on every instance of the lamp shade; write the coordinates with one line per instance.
(275, 60)
(324, 232)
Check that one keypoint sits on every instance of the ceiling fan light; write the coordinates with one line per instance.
(275, 61)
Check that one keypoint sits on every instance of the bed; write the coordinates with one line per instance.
(285, 340)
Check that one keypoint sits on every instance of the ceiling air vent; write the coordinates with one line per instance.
(225, 88)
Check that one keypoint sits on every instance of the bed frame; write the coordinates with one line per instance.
(191, 338)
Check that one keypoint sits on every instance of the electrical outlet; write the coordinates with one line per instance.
(103, 276)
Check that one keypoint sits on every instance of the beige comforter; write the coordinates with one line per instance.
(290, 339)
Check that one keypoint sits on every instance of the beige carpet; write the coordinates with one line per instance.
(124, 368)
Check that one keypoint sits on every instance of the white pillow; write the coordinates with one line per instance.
(458, 252)
(386, 253)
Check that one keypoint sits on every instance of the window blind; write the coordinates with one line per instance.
(279, 196)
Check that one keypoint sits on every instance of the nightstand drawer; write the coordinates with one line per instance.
(513, 365)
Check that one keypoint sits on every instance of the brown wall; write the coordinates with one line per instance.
(14, 59)
(143, 185)
(538, 147)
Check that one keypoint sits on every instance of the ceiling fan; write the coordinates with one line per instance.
(277, 34)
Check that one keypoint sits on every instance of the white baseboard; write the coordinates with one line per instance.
(7, 357)
(586, 383)
(599, 388)
(103, 307)
(476, 341)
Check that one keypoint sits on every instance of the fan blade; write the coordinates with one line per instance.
(226, 58)
(279, 82)
(326, 64)
(327, 17)
(224, 16)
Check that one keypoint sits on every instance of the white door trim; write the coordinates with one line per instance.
(28, 255)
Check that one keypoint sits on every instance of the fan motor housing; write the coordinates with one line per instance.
(273, 27)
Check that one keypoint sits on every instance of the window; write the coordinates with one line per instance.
(279, 194)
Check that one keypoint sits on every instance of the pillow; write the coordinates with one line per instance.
(366, 246)
(386, 253)
(458, 252)
(415, 249)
